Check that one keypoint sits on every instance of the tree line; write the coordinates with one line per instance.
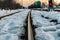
(8, 4)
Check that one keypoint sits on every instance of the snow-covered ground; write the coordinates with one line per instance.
(12, 27)
(47, 25)
(6, 12)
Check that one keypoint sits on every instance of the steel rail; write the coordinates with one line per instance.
(30, 30)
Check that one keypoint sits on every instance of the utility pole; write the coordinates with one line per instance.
(22, 3)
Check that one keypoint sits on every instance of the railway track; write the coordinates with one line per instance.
(30, 29)
(9, 14)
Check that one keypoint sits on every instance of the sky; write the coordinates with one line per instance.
(27, 3)
(57, 1)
